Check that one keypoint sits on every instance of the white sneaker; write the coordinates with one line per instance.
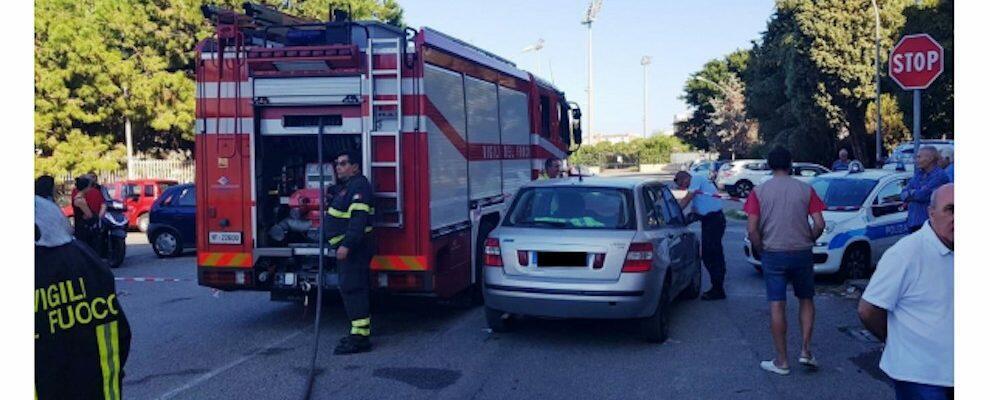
(770, 366)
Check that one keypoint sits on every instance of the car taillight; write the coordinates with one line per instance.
(639, 258)
(493, 253)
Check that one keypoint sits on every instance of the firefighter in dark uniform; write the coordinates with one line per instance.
(81, 336)
(348, 231)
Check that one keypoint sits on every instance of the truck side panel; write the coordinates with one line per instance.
(224, 124)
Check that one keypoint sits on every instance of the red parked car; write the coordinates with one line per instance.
(137, 195)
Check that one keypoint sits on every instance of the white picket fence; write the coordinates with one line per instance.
(183, 171)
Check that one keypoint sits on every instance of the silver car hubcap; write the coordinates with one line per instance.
(166, 243)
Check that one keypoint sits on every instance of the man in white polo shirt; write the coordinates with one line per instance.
(909, 305)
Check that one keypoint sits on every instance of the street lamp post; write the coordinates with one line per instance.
(589, 17)
(645, 62)
(876, 65)
(536, 47)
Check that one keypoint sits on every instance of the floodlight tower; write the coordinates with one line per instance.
(536, 47)
(645, 62)
(589, 16)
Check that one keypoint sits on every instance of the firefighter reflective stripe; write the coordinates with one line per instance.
(107, 341)
(585, 222)
(337, 239)
(361, 327)
(209, 259)
(347, 214)
(543, 176)
(398, 263)
(359, 206)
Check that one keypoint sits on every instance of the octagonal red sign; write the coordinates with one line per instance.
(916, 61)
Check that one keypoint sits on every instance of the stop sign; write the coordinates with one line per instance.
(916, 61)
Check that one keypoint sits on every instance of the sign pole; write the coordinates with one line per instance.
(917, 126)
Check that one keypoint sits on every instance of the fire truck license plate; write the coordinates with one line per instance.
(225, 238)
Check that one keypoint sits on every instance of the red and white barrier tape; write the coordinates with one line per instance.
(147, 279)
(719, 196)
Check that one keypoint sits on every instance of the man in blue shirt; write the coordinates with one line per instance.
(842, 164)
(947, 163)
(702, 196)
(927, 177)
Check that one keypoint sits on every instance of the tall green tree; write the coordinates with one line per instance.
(933, 17)
(894, 130)
(729, 129)
(99, 63)
(699, 91)
(812, 76)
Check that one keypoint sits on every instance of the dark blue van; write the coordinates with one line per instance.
(172, 227)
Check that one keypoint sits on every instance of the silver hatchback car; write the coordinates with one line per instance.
(609, 248)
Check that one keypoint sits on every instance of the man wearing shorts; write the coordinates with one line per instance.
(778, 228)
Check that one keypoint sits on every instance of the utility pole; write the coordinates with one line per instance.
(645, 62)
(130, 142)
(876, 65)
(593, 8)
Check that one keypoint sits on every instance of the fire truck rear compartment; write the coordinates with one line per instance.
(287, 179)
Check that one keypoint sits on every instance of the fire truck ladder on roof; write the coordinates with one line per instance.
(389, 215)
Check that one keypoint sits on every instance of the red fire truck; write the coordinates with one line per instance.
(447, 133)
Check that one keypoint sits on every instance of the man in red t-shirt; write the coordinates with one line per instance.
(778, 229)
(88, 206)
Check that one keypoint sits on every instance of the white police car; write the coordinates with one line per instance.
(864, 216)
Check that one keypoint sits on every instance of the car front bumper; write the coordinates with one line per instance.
(826, 261)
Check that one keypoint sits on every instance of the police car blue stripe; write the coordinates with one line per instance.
(871, 233)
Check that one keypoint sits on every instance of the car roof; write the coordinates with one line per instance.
(622, 182)
(876, 174)
(179, 187)
(806, 164)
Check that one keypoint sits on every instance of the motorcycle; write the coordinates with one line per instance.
(113, 233)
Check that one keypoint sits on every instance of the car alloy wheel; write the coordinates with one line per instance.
(166, 244)
(743, 188)
(856, 263)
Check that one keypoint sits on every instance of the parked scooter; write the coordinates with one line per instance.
(113, 233)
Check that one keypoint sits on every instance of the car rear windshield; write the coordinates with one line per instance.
(843, 193)
(572, 208)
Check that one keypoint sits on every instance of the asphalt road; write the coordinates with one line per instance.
(192, 343)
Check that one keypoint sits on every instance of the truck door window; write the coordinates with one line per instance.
(149, 190)
(545, 116)
(564, 126)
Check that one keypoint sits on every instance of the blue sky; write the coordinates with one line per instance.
(680, 36)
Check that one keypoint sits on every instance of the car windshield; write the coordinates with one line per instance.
(840, 194)
(572, 208)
